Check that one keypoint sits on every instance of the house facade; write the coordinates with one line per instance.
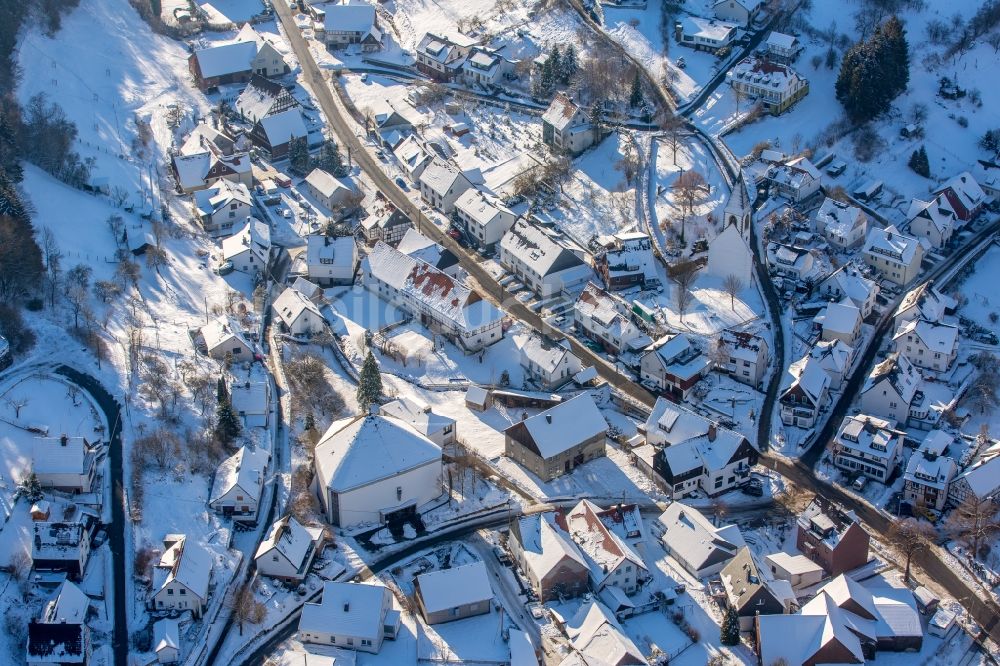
(890, 389)
(288, 550)
(896, 257)
(673, 366)
(352, 616)
(542, 548)
(239, 482)
(566, 126)
(441, 185)
(932, 220)
(844, 226)
(484, 217)
(297, 314)
(542, 261)
(222, 206)
(742, 12)
(832, 537)
(356, 23)
(747, 356)
(454, 594)
(182, 575)
(442, 57)
(927, 344)
(332, 193)
(927, 479)
(777, 87)
(548, 364)
(558, 440)
(331, 261)
(604, 319)
(806, 395)
(869, 446)
(965, 195)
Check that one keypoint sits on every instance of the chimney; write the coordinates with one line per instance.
(64, 440)
(712, 432)
(548, 418)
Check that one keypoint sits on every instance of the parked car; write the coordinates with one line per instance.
(860, 483)
(501, 555)
(681, 63)
(402, 184)
(364, 77)
(225, 268)
(286, 213)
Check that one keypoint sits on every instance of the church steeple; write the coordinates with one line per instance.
(738, 208)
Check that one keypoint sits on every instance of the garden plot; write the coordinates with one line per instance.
(711, 309)
(708, 200)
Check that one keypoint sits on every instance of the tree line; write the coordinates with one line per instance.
(874, 72)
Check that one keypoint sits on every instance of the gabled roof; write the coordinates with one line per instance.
(744, 580)
(673, 424)
(781, 40)
(288, 537)
(810, 378)
(928, 300)
(595, 633)
(965, 187)
(890, 242)
(602, 548)
(244, 469)
(901, 374)
(220, 195)
(695, 540)
(743, 345)
(249, 397)
(561, 111)
(542, 352)
(282, 127)
(560, 428)
(327, 184)
(261, 97)
(439, 177)
(839, 218)
(417, 414)
(539, 251)
(226, 58)
(984, 478)
(354, 609)
(605, 310)
(220, 331)
(545, 543)
(188, 563)
(841, 318)
(445, 589)
(292, 304)
(355, 17)
(255, 237)
(832, 355)
(166, 635)
(849, 281)
(928, 469)
(61, 455)
(876, 438)
(935, 336)
(482, 207)
(69, 605)
(322, 250)
(365, 449)
(938, 212)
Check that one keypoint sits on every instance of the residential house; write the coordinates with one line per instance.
(782, 48)
(896, 257)
(67, 462)
(808, 393)
(62, 546)
(388, 225)
(868, 445)
(800, 572)
(742, 12)
(703, 34)
(695, 542)
(249, 248)
(844, 226)
(60, 635)
(262, 98)
(558, 440)
(440, 429)
(334, 194)
(331, 261)
(297, 314)
(834, 357)
(891, 388)
(209, 156)
(454, 594)
(551, 561)
(441, 184)
(965, 195)
(777, 87)
(927, 344)
(375, 469)
(605, 319)
(167, 641)
(746, 356)
(542, 260)
(926, 480)
(697, 454)
(566, 126)
(933, 220)
(832, 537)
(923, 302)
(597, 639)
(239, 484)
(288, 550)
(611, 561)
(485, 68)
(413, 157)
(673, 366)
(484, 217)
(442, 57)
(417, 246)
(354, 23)
(796, 180)
(548, 364)
(627, 261)
(252, 402)
(440, 302)
(848, 285)
(221, 206)
(841, 321)
(353, 616)
(273, 134)
(749, 589)
(977, 484)
(182, 575)
(788, 261)
(223, 337)
(235, 62)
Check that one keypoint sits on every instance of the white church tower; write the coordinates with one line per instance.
(729, 253)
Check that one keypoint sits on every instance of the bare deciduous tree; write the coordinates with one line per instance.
(245, 608)
(974, 521)
(684, 276)
(911, 536)
(732, 285)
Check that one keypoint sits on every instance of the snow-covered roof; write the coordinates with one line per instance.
(445, 589)
(631, 253)
(352, 609)
(796, 639)
(902, 375)
(928, 469)
(711, 30)
(355, 17)
(965, 187)
(262, 96)
(410, 153)
(810, 378)
(364, 449)
(795, 565)
(594, 632)
(781, 40)
(282, 127)
(842, 318)
(64, 454)
(188, 563)
(440, 177)
(935, 336)
(166, 635)
(288, 537)
(606, 312)
(323, 250)
(779, 79)
(930, 303)
(244, 469)
(673, 424)
(249, 397)
(254, 236)
(891, 243)
(220, 331)
(482, 207)
(875, 438)
(693, 538)
(937, 211)
(602, 548)
(560, 428)
(326, 184)
(292, 304)
(415, 244)
(226, 58)
(220, 195)
(542, 353)
(849, 281)
(625, 520)
(562, 109)
(936, 442)
(68, 606)
(984, 478)
(546, 543)
(430, 286)
(749, 5)
(832, 355)
(838, 218)
(417, 414)
(446, 49)
(539, 251)
(743, 345)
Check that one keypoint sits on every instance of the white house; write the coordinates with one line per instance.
(801, 572)
(927, 478)
(834, 357)
(566, 126)
(373, 469)
(66, 462)
(890, 388)
(331, 261)
(842, 321)
(60, 635)
(729, 253)
(182, 575)
(604, 319)
(354, 616)
(776, 87)
(747, 356)
(796, 180)
(925, 302)
(742, 12)
(611, 561)
(223, 336)
(167, 641)
(288, 550)
(485, 67)
(927, 344)
(252, 402)
(594, 630)
(896, 257)
(208, 156)
(413, 157)
(331, 192)
(440, 429)
(442, 56)
(844, 226)
(451, 594)
(542, 261)
(934, 220)
(848, 285)
(548, 364)
(673, 366)
(484, 216)
(795, 263)
(354, 23)
(438, 300)
(441, 184)
(868, 445)
(239, 483)
(781, 47)
(697, 544)
(222, 205)
(249, 248)
(806, 394)
(705, 34)
(298, 315)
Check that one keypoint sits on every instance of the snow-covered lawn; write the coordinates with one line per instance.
(234, 10)
(707, 207)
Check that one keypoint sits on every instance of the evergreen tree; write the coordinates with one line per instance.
(546, 81)
(227, 424)
(29, 488)
(919, 162)
(330, 159)
(597, 118)
(874, 72)
(555, 60)
(570, 65)
(897, 55)
(221, 392)
(369, 384)
(635, 99)
(298, 155)
(730, 630)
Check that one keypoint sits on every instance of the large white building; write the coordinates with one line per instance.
(729, 253)
(354, 616)
(777, 87)
(249, 248)
(868, 445)
(288, 550)
(331, 261)
(542, 261)
(747, 356)
(297, 314)
(548, 364)
(891, 388)
(844, 226)
(484, 216)
(373, 469)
